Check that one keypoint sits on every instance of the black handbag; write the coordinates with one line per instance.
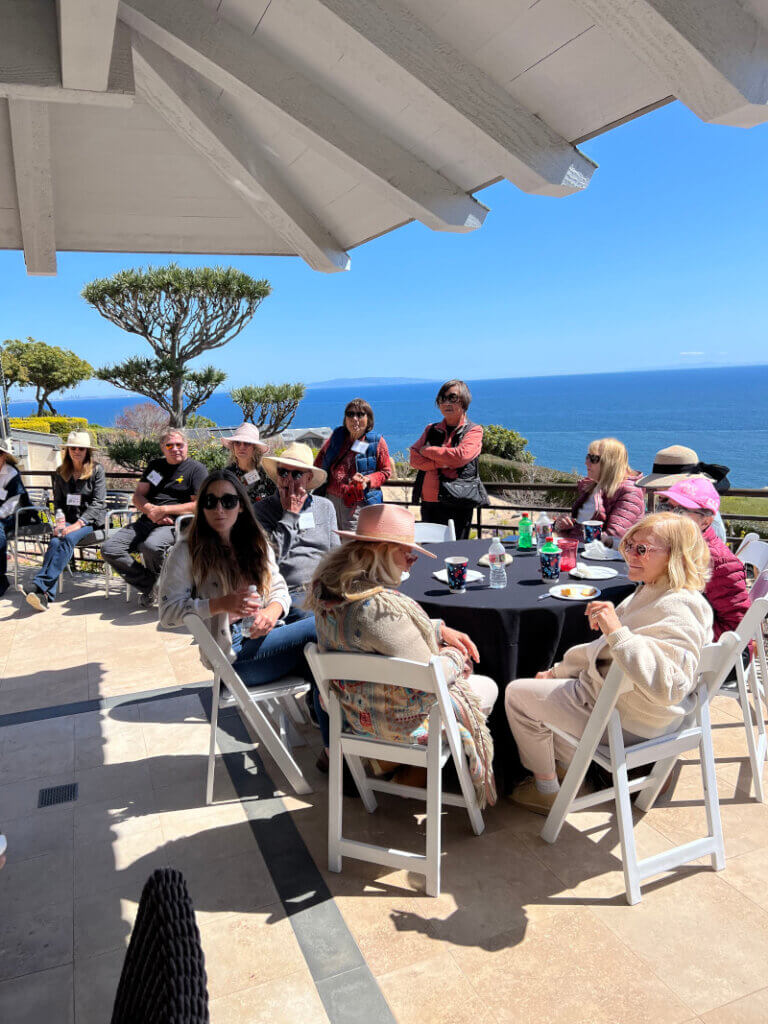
(464, 493)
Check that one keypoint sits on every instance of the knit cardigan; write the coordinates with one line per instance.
(623, 509)
(179, 595)
(657, 648)
(727, 588)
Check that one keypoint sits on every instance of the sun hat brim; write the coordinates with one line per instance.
(271, 462)
(385, 540)
(229, 441)
(657, 480)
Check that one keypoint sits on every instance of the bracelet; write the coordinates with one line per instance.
(438, 631)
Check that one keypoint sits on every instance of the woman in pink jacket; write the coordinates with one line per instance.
(607, 494)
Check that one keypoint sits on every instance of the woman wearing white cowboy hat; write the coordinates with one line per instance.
(354, 595)
(13, 495)
(80, 494)
(247, 451)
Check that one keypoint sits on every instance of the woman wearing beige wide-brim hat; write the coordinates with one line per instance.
(247, 450)
(80, 495)
(676, 463)
(354, 596)
(13, 495)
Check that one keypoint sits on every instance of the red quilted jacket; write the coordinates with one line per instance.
(727, 587)
(617, 513)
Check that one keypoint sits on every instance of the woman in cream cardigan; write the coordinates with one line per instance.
(358, 607)
(655, 635)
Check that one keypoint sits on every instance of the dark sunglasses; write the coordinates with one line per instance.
(296, 474)
(594, 459)
(453, 398)
(227, 501)
(356, 415)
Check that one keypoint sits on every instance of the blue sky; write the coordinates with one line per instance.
(660, 262)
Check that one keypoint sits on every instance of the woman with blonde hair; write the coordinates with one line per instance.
(80, 495)
(607, 494)
(247, 450)
(354, 595)
(655, 636)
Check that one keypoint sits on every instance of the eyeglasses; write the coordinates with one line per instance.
(678, 510)
(640, 549)
(594, 459)
(452, 399)
(296, 474)
(227, 501)
(178, 444)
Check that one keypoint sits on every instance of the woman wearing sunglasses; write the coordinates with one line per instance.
(247, 450)
(607, 494)
(208, 573)
(655, 635)
(80, 494)
(357, 463)
(446, 456)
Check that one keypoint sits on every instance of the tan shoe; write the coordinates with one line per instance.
(526, 795)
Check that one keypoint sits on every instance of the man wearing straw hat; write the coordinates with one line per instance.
(300, 525)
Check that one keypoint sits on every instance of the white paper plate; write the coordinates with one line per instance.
(473, 576)
(574, 592)
(596, 572)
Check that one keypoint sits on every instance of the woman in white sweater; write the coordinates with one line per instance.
(209, 572)
(655, 636)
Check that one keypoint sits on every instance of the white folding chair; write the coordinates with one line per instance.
(746, 539)
(748, 683)
(434, 533)
(755, 554)
(180, 526)
(662, 752)
(444, 742)
(279, 698)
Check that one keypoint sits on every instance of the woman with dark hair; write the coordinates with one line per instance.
(209, 573)
(80, 495)
(357, 463)
(446, 456)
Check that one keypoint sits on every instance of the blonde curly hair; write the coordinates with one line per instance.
(688, 564)
(353, 570)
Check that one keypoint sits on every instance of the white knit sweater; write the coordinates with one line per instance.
(657, 647)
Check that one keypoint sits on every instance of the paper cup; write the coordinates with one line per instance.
(456, 571)
(592, 530)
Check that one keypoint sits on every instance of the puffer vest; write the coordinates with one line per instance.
(366, 462)
(436, 437)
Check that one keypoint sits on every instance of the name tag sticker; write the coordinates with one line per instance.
(3, 493)
(252, 477)
(73, 499)
(306, 520)
(360, 447)
(154, 477)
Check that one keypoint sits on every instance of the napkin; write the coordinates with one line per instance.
(483, 559)
(596, 549)
(592, 572)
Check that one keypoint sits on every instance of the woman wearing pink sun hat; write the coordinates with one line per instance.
(726, 590)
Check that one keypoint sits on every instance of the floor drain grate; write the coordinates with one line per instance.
(57, 795)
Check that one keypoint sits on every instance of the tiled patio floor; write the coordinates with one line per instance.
(522, 932)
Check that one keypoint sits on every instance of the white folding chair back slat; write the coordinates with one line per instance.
(248, 701)
(746, 539)
(434, 533)
(662, 752)
(755, 554)
(444, 742)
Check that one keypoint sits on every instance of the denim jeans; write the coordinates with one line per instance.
(6, 532)
(56, 557)
(279, 653)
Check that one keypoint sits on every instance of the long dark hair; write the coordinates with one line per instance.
(245, 559)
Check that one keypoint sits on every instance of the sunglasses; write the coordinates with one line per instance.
(296, 474)
(640, 549)
(227, 501)
(77, 448)
(594, 459)
(356, 415)
(180, 444)
(452, 399)
(678, 510)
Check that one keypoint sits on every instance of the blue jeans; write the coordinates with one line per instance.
(279, 653)
(6, 531)
(56, 558)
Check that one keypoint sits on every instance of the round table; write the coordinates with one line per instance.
(516, 634)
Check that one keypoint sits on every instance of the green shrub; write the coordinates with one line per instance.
(61, 425)
(37, 423)
(506, 444)
(211, 453)
(132, 452)
(196, 420)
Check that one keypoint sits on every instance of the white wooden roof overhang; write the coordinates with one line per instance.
(307, 127)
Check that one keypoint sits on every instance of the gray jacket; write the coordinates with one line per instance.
(298, 547)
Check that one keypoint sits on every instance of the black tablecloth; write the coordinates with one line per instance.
(516, 634)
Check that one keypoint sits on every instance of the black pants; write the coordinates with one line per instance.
(441, 512)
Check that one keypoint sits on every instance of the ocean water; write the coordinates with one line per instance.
(722, 413)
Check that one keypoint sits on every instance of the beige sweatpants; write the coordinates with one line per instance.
(485, 690)
(530, 703)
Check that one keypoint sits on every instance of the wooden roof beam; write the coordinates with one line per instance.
(711, 54)
(30, 137)
(86, 38)
(183, 100)
(247, 69)
(532, 155)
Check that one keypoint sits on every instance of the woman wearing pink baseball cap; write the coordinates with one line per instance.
(726, 590)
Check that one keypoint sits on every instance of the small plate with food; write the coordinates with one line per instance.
(574, 592)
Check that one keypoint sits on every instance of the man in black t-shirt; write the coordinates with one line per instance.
(167, 489)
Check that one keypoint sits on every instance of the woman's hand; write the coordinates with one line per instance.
(564, 523)
(264, 620)
(547, 674)
(453, 638)
(239, 603)
(602, 615)
(70, 528)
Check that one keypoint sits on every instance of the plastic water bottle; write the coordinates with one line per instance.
(247, 623)
(59, 523)
(497, 563)
(543, 527)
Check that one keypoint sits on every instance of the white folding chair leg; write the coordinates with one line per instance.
(334, 785)
(709, 781)
(295, 708)
(624, 810)
(434, 805)
(215, 692)
(647, 797)
(361, 781)
(755, 748)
